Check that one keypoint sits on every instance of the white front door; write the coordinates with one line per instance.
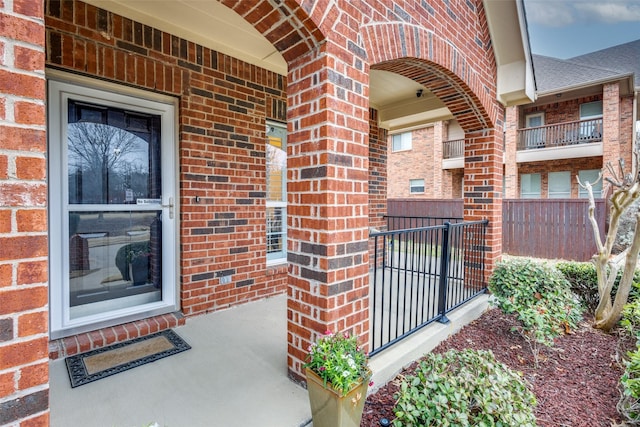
(112, 205)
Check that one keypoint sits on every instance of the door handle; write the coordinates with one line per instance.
(170, 206)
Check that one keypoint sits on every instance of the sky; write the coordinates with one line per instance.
(567, 28)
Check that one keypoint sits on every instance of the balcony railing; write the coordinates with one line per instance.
(453, 149)
(560, 134)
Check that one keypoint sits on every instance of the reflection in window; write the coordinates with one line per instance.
(276, 191)
(113, 155)
(113, 255)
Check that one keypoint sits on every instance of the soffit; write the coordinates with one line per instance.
(217, 27)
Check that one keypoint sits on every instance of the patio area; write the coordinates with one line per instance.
(235, 374)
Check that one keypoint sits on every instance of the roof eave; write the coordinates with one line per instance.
(508, 29)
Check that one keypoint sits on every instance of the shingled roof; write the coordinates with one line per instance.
(553, 74)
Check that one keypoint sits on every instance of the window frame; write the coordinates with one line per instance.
(61, 88)
(531, 195)
(565, 194)
(406, 142)
(582, 193)
(412, 186)
(592, 116)
(277, 257)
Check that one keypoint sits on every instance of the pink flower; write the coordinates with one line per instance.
(370, 383)
(322, 368)
(328, 332)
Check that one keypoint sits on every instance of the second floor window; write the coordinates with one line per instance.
(401, 141)
(416, 186)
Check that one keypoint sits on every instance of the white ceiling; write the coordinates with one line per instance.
(215, 26)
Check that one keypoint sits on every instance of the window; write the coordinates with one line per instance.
(591, 176)
(401, 141)
(276, 192)
(112, 191)
(530, 186)
(559, 185)
(416, 186)
(534, 120)
(590, 110)
(591, 127)
(534, 138)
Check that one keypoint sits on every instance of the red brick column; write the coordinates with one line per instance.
(611, 132)
(510, 165)
(438, 184)
(328, 171)
(24, 387)
(483, 188)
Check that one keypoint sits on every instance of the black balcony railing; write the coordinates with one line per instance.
(453, 149)
(421, 274)
(560, 134)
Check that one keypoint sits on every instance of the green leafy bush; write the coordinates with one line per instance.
(464, 388)
(539, 296)
(629, 404)
(630, 321)
(584, 282)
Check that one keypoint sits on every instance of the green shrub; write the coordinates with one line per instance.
(464, 388)
(630, 321)
(539, 296)
(584, 282)
(629, 404)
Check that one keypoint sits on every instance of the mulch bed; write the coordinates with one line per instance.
(576, 383)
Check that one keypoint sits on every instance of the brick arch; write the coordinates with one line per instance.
(427, 58)
(288, 27)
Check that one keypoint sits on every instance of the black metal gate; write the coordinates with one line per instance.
(421, 274)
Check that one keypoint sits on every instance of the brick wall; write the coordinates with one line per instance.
(417, 163)
(378, 172)
(24, 390)
(223, 107)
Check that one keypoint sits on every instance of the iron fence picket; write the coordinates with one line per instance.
(423, 276)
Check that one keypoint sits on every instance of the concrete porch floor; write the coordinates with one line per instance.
(235, 374)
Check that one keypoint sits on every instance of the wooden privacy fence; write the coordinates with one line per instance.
(541, 228)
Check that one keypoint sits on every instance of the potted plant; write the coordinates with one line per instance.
(338, 377)
(133, 262)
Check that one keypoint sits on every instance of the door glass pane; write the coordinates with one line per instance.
(113, 158)
(112, 256)
(113, 155)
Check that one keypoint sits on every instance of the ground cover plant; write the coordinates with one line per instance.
(577, 381)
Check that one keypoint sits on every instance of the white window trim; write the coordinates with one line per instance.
(552, 195)
(593, 116)
(528, 117)
(60, 86)
(538, 194)
(404, 137)
(275, 259)
(411, 186)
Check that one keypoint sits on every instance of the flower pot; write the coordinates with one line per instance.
(329, 408)
(140, 270)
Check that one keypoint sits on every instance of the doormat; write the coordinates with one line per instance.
(103, 362)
